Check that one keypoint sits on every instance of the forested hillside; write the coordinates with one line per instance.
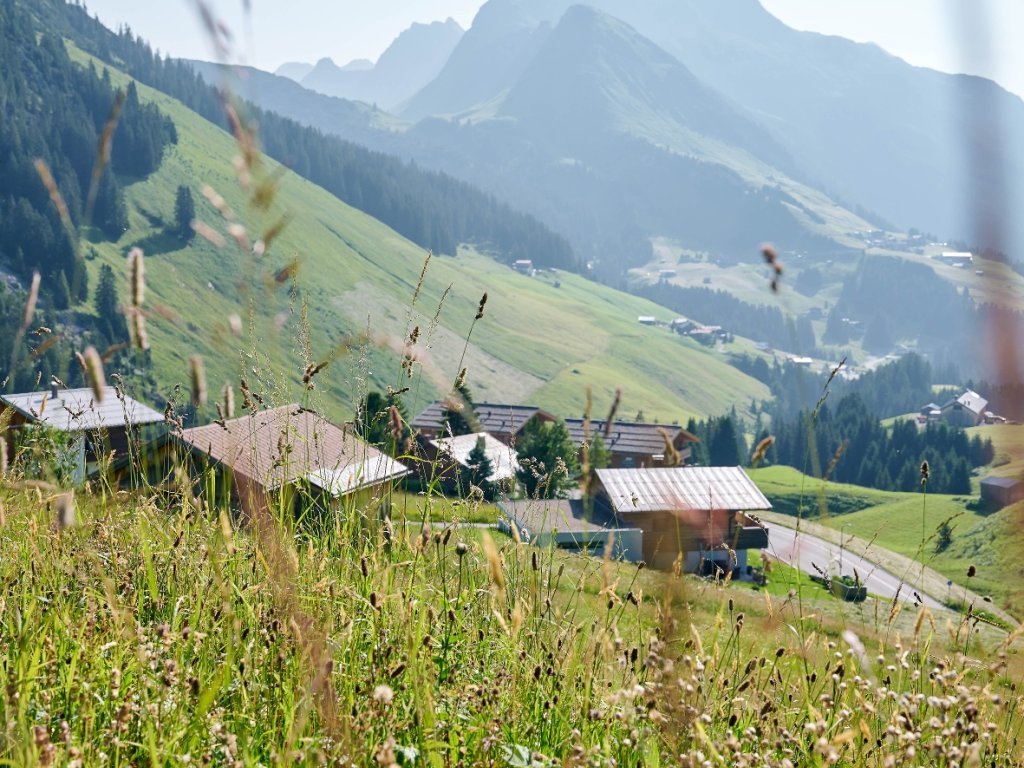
(55, 113)
(430, 208)
(846, 443)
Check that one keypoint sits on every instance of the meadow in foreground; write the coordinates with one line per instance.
(155, 630)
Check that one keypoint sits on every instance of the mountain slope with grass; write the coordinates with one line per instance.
(543, 339)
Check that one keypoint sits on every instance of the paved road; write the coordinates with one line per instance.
(806, 551)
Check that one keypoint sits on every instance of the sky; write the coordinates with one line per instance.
(924, 32)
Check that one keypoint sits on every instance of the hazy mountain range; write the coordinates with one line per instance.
(410, 62)
(712, 124)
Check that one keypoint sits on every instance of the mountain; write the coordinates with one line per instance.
(334, 279)
(918, 147)
(604, 137)
(409, 63)
(611, 141)
(488, 58)
(294, 70)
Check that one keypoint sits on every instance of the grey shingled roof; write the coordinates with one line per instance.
(495, 418)
(630, 436)
(661, 489)
(76, 410)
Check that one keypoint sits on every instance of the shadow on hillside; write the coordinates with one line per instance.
(160, 242)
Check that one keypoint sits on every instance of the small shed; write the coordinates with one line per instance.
(1001, 492)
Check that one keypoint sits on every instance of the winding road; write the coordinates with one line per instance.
(805, 551)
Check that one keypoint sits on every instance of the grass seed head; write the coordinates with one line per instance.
(138, 269)
(93, 367)
(197, 372)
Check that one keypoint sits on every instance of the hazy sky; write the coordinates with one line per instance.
(924, 32)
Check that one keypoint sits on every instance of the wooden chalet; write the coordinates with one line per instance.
(286, 457)
(694, 516)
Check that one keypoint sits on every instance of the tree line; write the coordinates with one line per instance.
(848, 444)
(55, 111)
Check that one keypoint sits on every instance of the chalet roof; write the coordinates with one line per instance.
(970, 400)
(631, 436)
(76, 410)
(661, 489)
(504, 460)
(495, 418)
(286, 444)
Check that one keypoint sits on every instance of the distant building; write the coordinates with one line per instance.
(523, 266)
(968, 410)
(930, 413)
(666, 274)
(803, 362)
(102, 428)
(956, 258)
(1001, 492)
(635, 444)
(647, 320)
(503, 421)
(450, 454)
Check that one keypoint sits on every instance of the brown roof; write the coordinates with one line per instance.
(631, 436)
(495, 418)
(285, 444)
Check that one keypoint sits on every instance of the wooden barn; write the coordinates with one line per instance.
(502, 421)
(999, 492)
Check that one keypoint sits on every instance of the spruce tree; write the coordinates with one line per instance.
(480, 469)
(110, 321)
(184, 213)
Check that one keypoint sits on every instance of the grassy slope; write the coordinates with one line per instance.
(357, 273)
(896, 521)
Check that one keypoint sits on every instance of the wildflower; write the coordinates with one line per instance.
(383, 694)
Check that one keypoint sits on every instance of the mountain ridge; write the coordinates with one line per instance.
(411, 61)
